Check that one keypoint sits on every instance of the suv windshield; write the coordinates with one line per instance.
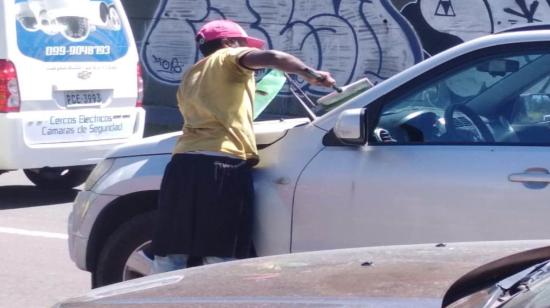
(279, 96)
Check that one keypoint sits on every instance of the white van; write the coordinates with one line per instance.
(70, 87)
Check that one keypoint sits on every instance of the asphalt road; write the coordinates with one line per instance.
(35, 267)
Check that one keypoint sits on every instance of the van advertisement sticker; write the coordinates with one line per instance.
(84, 125)
(70, 30)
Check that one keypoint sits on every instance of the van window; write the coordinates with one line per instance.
(70, 30)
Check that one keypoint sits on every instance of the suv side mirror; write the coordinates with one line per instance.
(351, 126)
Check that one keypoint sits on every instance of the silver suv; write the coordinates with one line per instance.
(455, 148)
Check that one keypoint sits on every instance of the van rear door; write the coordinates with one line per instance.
(77, 66)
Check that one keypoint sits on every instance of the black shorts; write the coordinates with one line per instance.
(205, 206)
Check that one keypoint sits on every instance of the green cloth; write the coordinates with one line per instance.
(267, 89)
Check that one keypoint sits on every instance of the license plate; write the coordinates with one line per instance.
(88, 97)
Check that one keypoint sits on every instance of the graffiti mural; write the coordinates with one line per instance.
(441, 24)
(349, 38)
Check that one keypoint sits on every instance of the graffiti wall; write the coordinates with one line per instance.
(440, 24)
(349, 38)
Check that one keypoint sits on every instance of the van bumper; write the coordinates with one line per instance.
(19, 151)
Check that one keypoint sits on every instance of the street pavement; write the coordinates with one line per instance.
(35, 267)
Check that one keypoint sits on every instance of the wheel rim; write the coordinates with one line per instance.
(53, 174)
(138, 264)
(58, 177)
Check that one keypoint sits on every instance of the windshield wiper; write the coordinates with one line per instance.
(302, 97)
(294, 86)
(509, 288)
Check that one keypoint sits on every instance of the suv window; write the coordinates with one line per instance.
(274, 100)
(534, 105)
(497, 99)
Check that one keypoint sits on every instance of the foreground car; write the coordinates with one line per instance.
(398, 276)
(452, 149)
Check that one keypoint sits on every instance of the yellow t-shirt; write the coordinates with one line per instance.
(215, 98)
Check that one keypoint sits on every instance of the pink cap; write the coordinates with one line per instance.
(226, 29)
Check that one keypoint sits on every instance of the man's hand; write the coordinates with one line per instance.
(318, 78)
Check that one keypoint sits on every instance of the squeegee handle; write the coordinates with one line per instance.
(320, 78)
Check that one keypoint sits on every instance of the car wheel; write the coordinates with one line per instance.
(58, 177)
(125, 255)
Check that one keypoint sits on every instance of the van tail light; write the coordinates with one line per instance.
(9, 88)
(139, 101)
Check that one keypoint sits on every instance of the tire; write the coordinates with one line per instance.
(58, 177)
(132, 237)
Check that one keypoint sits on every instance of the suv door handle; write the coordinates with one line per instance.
(533, 175)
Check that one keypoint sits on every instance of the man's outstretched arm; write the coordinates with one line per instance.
(258, 59)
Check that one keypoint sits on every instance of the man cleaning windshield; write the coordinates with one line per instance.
(206, 193)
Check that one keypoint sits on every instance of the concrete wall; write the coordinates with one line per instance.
(349, 38)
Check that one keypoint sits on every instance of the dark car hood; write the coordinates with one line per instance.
(392, 276)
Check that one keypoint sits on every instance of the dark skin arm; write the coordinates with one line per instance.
(258, 59)
(285, 62)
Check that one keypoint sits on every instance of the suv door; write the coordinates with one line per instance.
(459, 153)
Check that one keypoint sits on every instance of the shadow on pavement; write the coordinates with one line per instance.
(13, 197)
